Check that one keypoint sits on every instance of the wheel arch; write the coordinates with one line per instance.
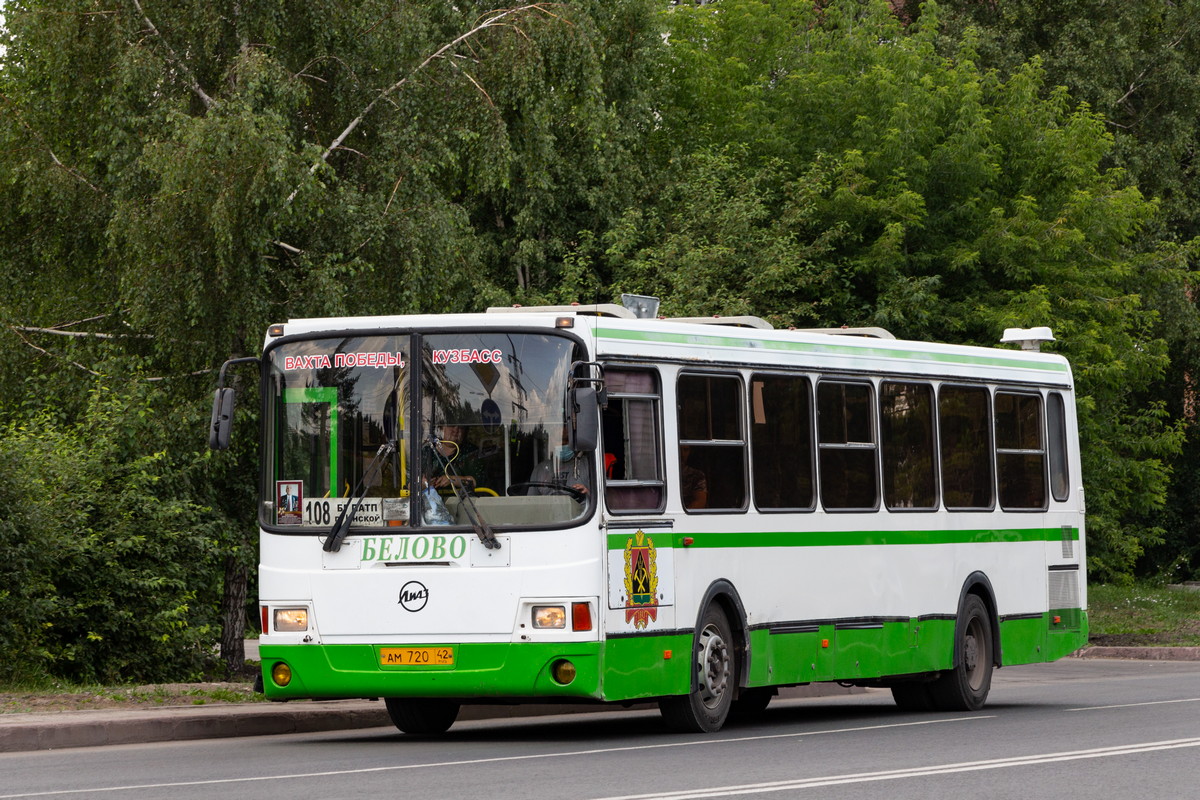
(977, 583)
(723, 592)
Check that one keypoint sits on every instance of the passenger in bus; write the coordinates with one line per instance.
(563, 468)
(693, 484)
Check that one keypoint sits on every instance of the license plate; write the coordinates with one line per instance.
(416, 656)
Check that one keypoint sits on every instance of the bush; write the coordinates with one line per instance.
(106, 567)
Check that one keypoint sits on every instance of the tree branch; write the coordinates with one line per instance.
(74, 173)
(81, 334)
(179, 63)
(46, 352)
(18, 329)
(490, 22)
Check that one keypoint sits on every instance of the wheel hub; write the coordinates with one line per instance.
(714, 667)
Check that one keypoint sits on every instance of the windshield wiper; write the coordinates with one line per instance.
(466, 499)
(342, 526)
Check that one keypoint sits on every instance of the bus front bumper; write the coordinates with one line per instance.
(483, 671)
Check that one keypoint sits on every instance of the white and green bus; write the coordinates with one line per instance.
(575, 504)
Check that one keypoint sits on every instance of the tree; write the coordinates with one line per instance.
(176, 176)
(1138, 66)
(847, 173)
(107, 564)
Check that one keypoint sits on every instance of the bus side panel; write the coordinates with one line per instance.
(827, 654)
(782, 658)
(646, 665)
(874, 652)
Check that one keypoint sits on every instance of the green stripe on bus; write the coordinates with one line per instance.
(727, 539)
(710, 340)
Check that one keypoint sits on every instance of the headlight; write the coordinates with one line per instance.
(291, 619)
(549, 617)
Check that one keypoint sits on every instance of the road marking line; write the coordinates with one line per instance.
(916, 772)
(1135, 705)
(495, 760)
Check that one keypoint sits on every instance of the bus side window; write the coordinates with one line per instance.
(1020, 452)
(712, 446)
(781, 442)
(1056, 422)
(632, 441)
(965, 434)
(846, 446)
(906, 441)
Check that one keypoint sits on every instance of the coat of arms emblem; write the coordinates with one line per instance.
(641, 581)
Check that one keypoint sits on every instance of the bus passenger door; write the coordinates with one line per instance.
(640, 560)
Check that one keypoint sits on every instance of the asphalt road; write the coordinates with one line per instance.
(1073, 729)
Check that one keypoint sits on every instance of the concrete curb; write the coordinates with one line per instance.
(1142, 653)
(64, 729)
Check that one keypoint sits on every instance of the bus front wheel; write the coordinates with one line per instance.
(421, 715)
(705, 708)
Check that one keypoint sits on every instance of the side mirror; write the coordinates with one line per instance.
(222, 414)
(222, 419)
(585, 420)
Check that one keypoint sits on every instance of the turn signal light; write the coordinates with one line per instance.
(581, 616)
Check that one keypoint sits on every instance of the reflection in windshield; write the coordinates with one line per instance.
(482, 441)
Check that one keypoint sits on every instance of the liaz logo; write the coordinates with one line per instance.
(413, 596)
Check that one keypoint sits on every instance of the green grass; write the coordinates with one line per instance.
(61, 696)
(1144, 615)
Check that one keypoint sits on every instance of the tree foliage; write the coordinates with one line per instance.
(108, 567)
(176, 175)
(1136, 65)
(839, 169)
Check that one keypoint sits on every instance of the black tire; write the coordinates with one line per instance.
(752, 702)
(714, 662)
(966, 686)
(912, 696)
(424, 716)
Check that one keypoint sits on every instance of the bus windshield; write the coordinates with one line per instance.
(421, 428)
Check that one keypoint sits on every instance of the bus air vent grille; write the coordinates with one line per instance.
(1068, 541)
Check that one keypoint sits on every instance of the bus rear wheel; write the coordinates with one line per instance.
(421, 715)
(965, 687)
(706, 707)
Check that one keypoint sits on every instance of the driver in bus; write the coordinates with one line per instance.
(562, 468)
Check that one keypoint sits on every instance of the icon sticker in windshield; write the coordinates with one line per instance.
(290, 501)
